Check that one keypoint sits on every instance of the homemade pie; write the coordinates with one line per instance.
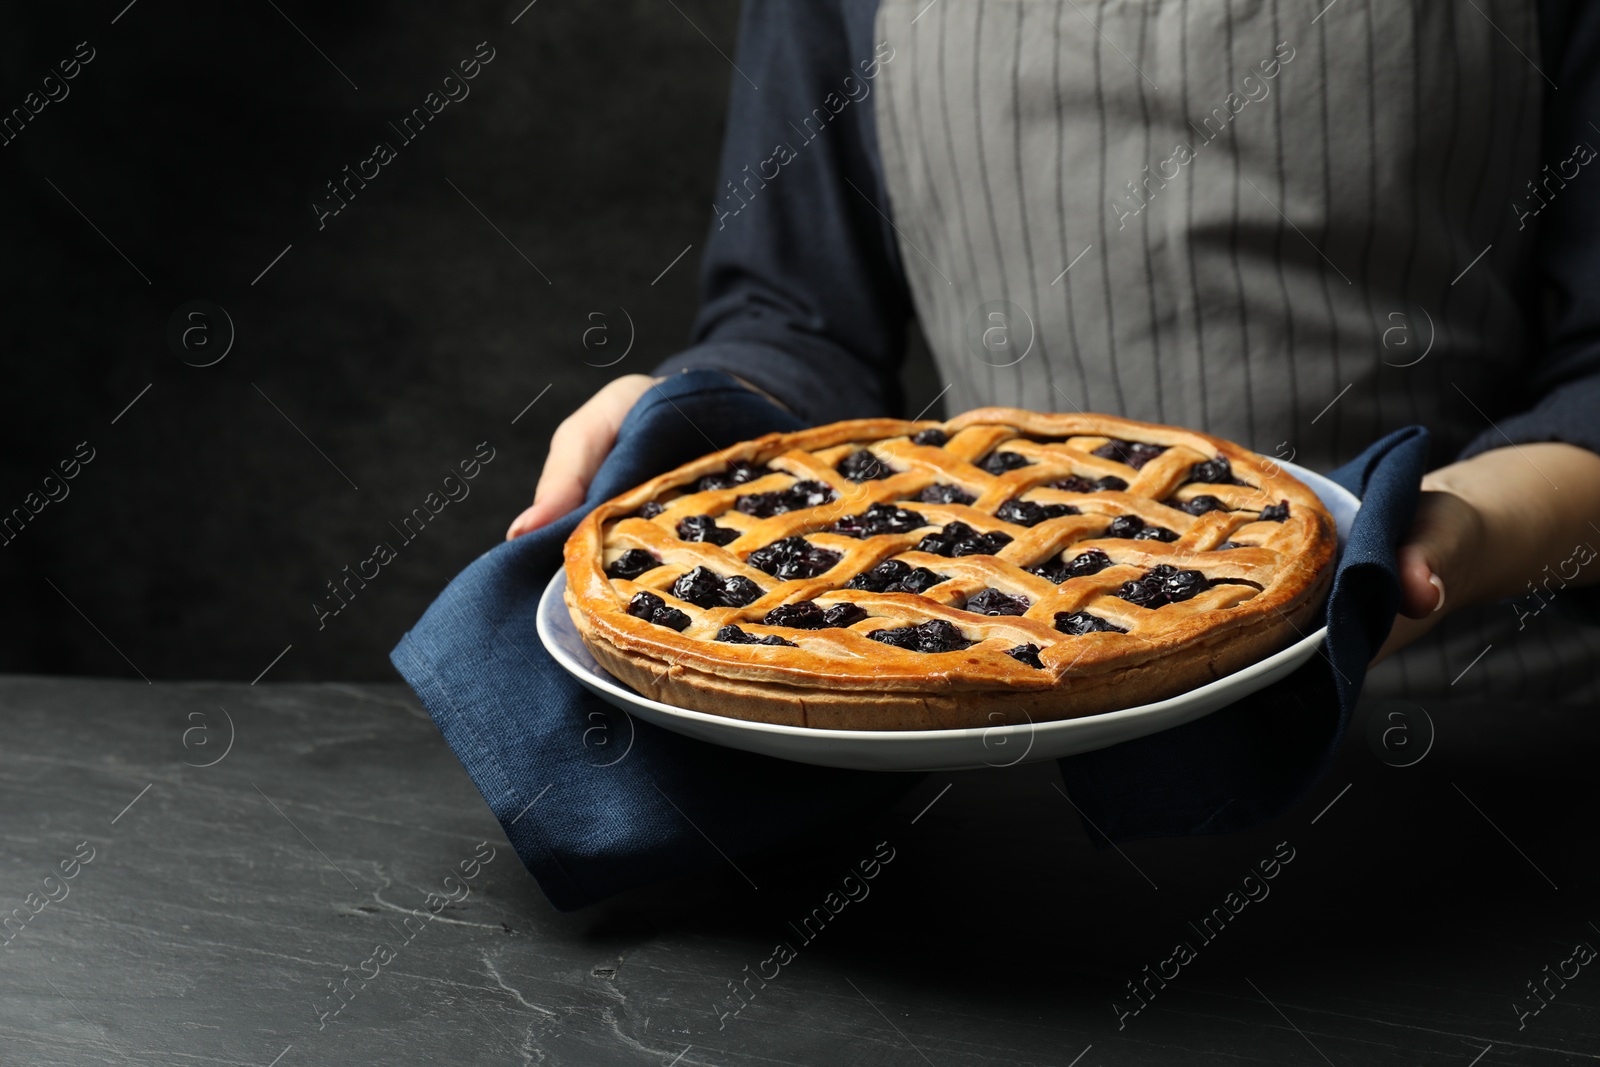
(1004, 566)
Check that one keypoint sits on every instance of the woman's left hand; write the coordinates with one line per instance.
(1435, 562)
(1487, 526)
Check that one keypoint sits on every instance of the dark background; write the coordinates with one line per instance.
(393, 340)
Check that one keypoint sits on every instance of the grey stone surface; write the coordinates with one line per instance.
(221, 901)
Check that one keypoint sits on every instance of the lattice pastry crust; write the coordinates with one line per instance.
(1210, 558)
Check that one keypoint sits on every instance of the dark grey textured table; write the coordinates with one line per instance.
(212, 909)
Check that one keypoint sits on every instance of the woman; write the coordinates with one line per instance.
(1295, 227)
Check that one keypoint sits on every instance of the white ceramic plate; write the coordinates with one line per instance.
(927, 750)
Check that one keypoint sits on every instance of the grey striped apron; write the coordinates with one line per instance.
(1293, 225)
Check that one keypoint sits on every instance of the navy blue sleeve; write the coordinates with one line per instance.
(802, 292)
(1562, 396)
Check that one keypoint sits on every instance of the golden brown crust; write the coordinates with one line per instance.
(841, 678)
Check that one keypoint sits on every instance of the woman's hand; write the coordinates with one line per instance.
(1487, 526)
(578, 447)
(1446, 536)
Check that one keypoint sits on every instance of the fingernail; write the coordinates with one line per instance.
(1438, 583)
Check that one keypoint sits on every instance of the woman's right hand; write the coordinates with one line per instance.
(578, 447)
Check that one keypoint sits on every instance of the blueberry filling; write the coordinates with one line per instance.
(1078, 623)
(933, 636)
(879, 519)
(1163, 585)
(708, 589)
(704, 528)
(1215, 471)
(738, 472)
(1232, 544)
(806, 494)
(805, 615)
(1000, 462)
(1199, 505)
(632, 563)
(735, 636)
(1145, 593)
(1028, 513)
(863, 466)
(1124, 526)
(809, 615)
(1133, 527)
(793, 557)
(945, 493)
(737, 591)
(959, 539)
(1078, 484)
(994, 602)
(1090, 561)
(896, 576)
(845, 614)
(1134, 453)
(649, 511)
(1179, 585)
(1275, 512)
(701, 586)
(931, 436)
(651, 608)
(1028, 654)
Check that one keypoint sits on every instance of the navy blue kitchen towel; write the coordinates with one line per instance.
(1251, 761)
(593, 800)
(596, 802)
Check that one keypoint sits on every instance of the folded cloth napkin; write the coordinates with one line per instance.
(596, 802)
(588, 820)
(1253, 760)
